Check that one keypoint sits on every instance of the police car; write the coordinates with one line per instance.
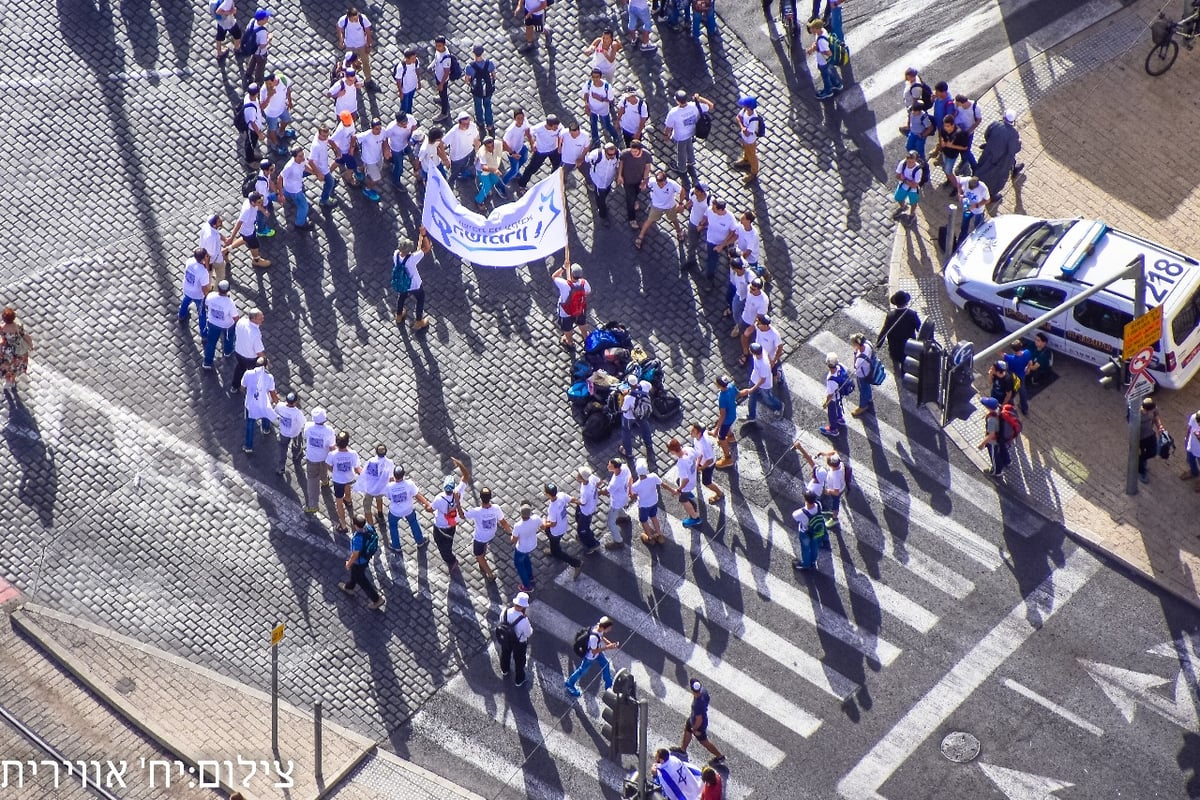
(1015, 268)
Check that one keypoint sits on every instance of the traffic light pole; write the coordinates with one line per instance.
(643, 723)
(1132, 404)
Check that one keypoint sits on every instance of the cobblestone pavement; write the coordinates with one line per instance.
(135, 506)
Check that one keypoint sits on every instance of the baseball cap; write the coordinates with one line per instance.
(223, 286)
(252, 89)
(831, 359)
(748, 102)
(376, 122)
(448, 483)
(630, 90)
(695, 685)
(521, 600)
(350, 73)
(756, 348)
(642, 469)
(764, 319)
(702, 187)
(463, 115)
(1010, 117)
(319, 415)
(610, 147)
(264, 164)
(346, 117)
(263, 13)
(270, 76)
(990, 402)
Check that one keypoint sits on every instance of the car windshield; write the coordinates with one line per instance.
(1027, 254)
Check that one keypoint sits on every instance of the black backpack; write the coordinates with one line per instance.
(248, 185)
(239, 117)
(703, 122)
(249, 41)
(505, 633)
(760, 127)
(926, 101)
(580, 645)
(455, 72)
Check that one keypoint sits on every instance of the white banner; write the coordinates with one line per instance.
(514, 234)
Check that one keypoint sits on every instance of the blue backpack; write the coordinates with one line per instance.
(401, 279)
(842, 379)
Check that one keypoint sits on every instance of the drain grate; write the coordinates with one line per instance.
(960, 747)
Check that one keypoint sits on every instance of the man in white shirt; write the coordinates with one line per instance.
(355, 34)
(257, 63)
(572, 149)
(762, 383)
(517, 140)
(573, 294)
(214, 245)
(836, 376)
(698, 203)
(681, 129)
(408, 78)
(409, 259)
(291, 185)
(344, 469)
(831, 478)
(645, 489)
(344, 145)
(632, 115)
(772, 345)
(277, 108)
(748, 244)
(585, 507)
(245, 230)
(373, 483)
(399, 140)
(556, 525)
(718, 227)
(864, 373)
(248, 346)
(598, 100)
(447, 508)
(639, 24)
(974, 197)
(547, 141)
(222, 316)
(618, 489)
(462, 142)
(373, 147)
(514, 649)
(345, 94)
(402, 495)
(259, 386)
(487, 519)
(491, 163)
(291, 423)
(441, 74)
(227, 26)
(524, 540)
(685, 488)
(252, 117)
(318, 442)
(666, 198)
(602, 172)
(706, 462)
(196, 286)
(318, 160)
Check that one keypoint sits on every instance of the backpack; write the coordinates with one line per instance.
(926, 101)
(666, 405)
(923, 165)
(578, 393)
(817, 526)
(576, 302)
(839, 53)
(1010, 423)
(879, 374)
(248, 185)
(580, 645)
(1166, 443)
(597, 424)
(642, 407)
(213, 5)
(401, 279)
(760, 127)
(505, 633)
(239, 117)
(703, 122)
(248, 44)
(370, 543)
(482, 82)
(842, 379)
(455, 71)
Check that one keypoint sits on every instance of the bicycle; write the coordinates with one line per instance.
(1163, 31)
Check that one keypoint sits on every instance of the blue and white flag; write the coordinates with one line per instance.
(516, 233)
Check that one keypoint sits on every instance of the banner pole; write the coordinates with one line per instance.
(562, 183)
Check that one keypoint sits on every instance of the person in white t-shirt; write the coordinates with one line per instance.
(547, 145)
(755, 304)
(618, 490)
(572, 149)
(344, 147)
(598, 99)
(373, 149)
(196, 285)
(409, 259)
(431, 153)
(697, 205)
(318, 161)
(586, 504)
(402, 495)
(602, 174)
(974, 197)
(259, 387)
(718, 226)
(736, 291)
(462, 142)
(524, 540)
(254, 122)
(373, 483)
(355, 33)
(440, 66)
(639, 24)
(555, 525)
(487, 518)
(219, 325)
(666, 199)
(706, 462)
(772, 345)
(762, 384)
(685, 488)
(1191, 449)
(345, 95)
(291, 185)
(572, 302)
(748, 120)
(748, 244)
(214, 244)
(276, 96)
(344, 469)
(681, 129)
(632, 115)
(227, 26)
(829, 482)
(318, 442)
(291, 422)
(645, 489)
(408, 78)
(602, 53)
(399, 134)
(517, 140)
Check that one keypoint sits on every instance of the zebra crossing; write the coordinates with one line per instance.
(781, 652)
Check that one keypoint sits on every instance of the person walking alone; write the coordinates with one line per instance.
(900, 325)
(696, 724)
(363, 546)
(514, 646)
(598, 644)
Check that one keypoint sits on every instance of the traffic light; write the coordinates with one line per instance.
(922, 370)
(1112, 373)
(620, 716)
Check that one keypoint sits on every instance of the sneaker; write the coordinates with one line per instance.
(306, 227)
(378, 604)
(648, 48)
(311, 509)
(371, 195)
(342, 586)
(571, 690)
(832, 434)
(289, 134)
(858, 412)
(421, 324)
(208, 367)
(692, 522)
(797, 564)
(713, 499)
(504, 672)
(1143, 477)
(395, 550)
(614, 546)
(824, 95)
(261, 263)
(268, 233)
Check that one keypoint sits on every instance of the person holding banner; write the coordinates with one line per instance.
(547, 146)
(572, 302)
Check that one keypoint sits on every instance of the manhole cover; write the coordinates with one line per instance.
(125, 685)
(960, 747)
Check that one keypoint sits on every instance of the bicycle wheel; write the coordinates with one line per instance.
(790, 33)
(1161, 57)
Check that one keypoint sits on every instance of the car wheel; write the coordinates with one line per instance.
(985, 318)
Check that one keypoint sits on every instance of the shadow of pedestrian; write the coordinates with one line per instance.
(37, 484)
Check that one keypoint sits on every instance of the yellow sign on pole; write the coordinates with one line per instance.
(1142, 332)
(277, 635)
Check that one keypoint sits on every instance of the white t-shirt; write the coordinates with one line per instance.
(441, 64)
(318, 438)
(831, 479)
(319, 154)
(632, 114)
(443, 510)
(248, 342)
(719, 226)
(195, 278)
(375, 475)
(221, 310)
(210, 240)
(704, 449)
(258, 384)
(460, 142)
(411, 262)
(487, 520)
(664, 197)
(345, 97)
(229, 19)
(342, 136)
(276, 102)
(574, 147)
(398, 136)
(698, 210)
(354, 33)
(342, 465)
(831, 387)
(544, 139)
(627, 404)
(406, 75)
(291, 420)
(556, 513)
(401, 495)
(252, 111)
(618, 487)
(526, 532)
(748, 125)
(1192, 445)
(685, 468)
(564, 291)
(747, 243)
(514, 136)
(603, 169)
(980, 195)
(589, 495)
(682, 120)
(862, 361)
(599, 98)
(371, 145)
(760, 370)
(907, 173)
(292, 175)
(645, 489)
(246, 220)
(740, 283)
(770, 341)
(429, 156)
(966, 118)
(823, 51)
(756, 305)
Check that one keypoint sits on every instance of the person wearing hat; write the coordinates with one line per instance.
(227, 25)
(487, 519)
(834, 379)
(629, 395)
(355, 34)
(831, 82)
(603, 53)
(720, 233)
(440, 66)
(831, 479)
(1150, 427)
(462, 143)
(277, 108)
(359, 561)
(213, 244)
(910, 171)
(632, 115)
(727, 397)
(749, 123)
(598, 99)
(573, 291)
(257, 64)
(259, 387)
(666, 199)
(480, 75)
(597, 644)
(864, 373)
(291, 185)
(344, 145)
(547, 146)
(998, 158)
(399, 135)
(762, 384)
(245, 230)
(197, 283)
(1003, 386)
(373, 484)
(603, 166)
(645, 489)
(755, 304)
(253, 121)
(1018, 359)
(406, 278)
(403, 495)
(555, 525)
(1191, 449)
(222, 315)
(997, 447)
(491, 163)
(585, 508)
(514, 645)
(524, 540)
(706, 462)
(634, 171)
(680, 128)
(407, 75)
(373, 149)
(810, 526)
(901, 324)
(696, 723)
(534, 12)
(291, 421)
(345, 94)
(318, 443)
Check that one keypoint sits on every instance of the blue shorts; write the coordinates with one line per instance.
(341, 490)
(687, 497)
(273, 123)
(348, 161)
(906, 195)
(647, 513)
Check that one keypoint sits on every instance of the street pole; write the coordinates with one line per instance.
(317, 738)
(952, 218)
(1133, 407)
(274, 693)
(643, 723)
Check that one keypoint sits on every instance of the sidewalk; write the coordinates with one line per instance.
(199, 717)
(1102, 139)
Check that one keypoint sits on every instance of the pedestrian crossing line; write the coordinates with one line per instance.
(677, 698)
(687, 653)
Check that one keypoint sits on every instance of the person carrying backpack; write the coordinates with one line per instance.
(994, 437)
(572, 302)
(406, 279)
(254, 46)
(750, 128)
(810, 520)
(364, 544)
(593, 653)
(831, 82)
(838, 384)
(355, 34)
(911, 171)
(512, 633)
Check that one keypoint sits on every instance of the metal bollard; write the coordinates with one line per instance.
(952, 220)
(317, 738)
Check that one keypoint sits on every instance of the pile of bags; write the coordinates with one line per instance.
(611, 368)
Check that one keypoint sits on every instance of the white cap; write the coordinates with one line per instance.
(318, 415)
(1010, 117)
(642, 469)
(521, 600)
(645, 386)
(831, 359)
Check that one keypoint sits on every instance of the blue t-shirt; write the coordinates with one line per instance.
(727, 400)
(1017, 363)
(700, 705)
(357, 543)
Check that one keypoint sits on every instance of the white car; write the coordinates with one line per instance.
(1014, 268)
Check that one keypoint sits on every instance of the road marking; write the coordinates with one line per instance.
(1018, 785)
(676, 697)
(1050, 705)
(1127, 689)
(935, 707)
(675, 646)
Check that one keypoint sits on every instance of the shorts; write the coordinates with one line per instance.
(948, 162)
(831, 503)
(341, 490)
(479, 548)
(706, 474)
(700, 733)
(687, 497)
(373, 170)
(234, 33)
(251, 240)
(670, 213)
(647, 513)
(723, 431)
(639, 18)
(906, 195)
(570, 323)
(535, 21)
(348, 161)
(273, 123)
